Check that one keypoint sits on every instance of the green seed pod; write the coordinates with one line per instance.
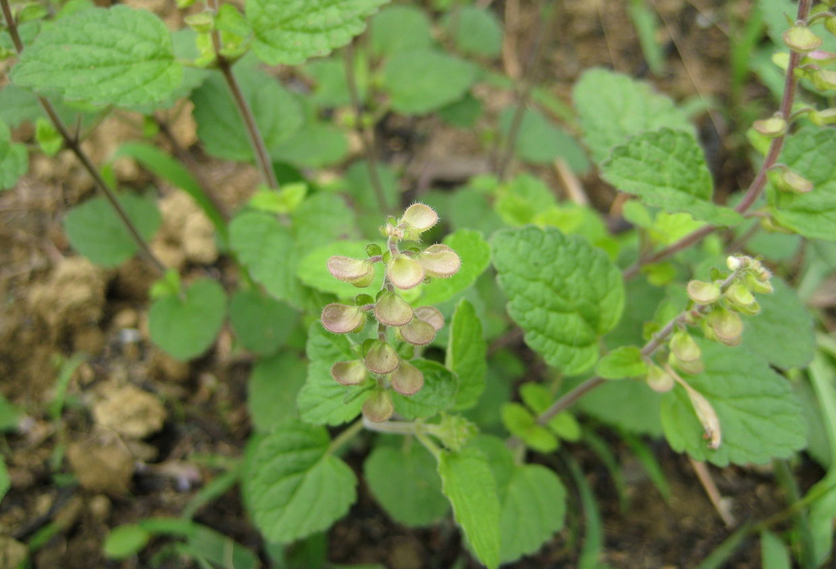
(440, 261)
(693, 367)
(788, 181)
(419, 218)
(772, 127)
(359, 272)
(658, 379)
(392, 310)
(418, 332)
(757, 285)
(431, 315)
(703, 293)
(801, 39)
(684, 346)
(349, 373)
(342, 319)
(727, 325)
(381, 358)
(378, 406)
(405, 272)
(407, 379)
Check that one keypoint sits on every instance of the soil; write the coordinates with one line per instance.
(134, 418)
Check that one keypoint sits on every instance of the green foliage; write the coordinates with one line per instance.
(398, 29)
(117, 56)
(438, 394)
(125, 541)
(310, 270)
(538, 141)
(272, 389)
(405, 481)
(467, 355)
(260, 322)
(666, 168)
(444, 79)
(14, 159)
(5, 483)
(295, 486)
(475, 31)
(97, 232)
(475, 254)
(9, 415)
(185, 325)
(291, 31)
(626, 361)
(563, 311)
(759, 415)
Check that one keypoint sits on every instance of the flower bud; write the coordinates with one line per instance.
(658, 379)
(419, 218)
(801, 39)
(684, 346)
(378, 407)
(359, 272)
(381, 358)
(392, 310)
(693, 367)
(342, 319)
(440, 261)
(407, 379)
(734, 263)
(431, 315)
(703, 293)
(405, 272)
(349, 373)
(726, 325)
(417, 332)
(772, 127)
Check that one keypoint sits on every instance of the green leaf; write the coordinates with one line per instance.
(521, 423)
(313, 270)
(438, 393)
(362, 191)
(613, 107)
(475, 254)
(405, 481)
(760, 416)
(315, 145)
(219, 550)
(322, 400)
(808, 153)
(289, 31)
(468, 483)
(5, 482)
(522, 200)
(125, 540)
(444, 79)
(462, 113)
(774, 553)
(116, 56)
(219, 125)
(564, 293)
(666, 168)
(296, 487)
(266, 247)
(96, 231)
(400, 28)
(467, 353)
(331, 88)
(272, 390)
(533, 510)
(538, 141)
(782, 313)
(630, 405)
(14, 159)
(10, 415)
(320, 220)
(626, 361)
(475, 31)
(186, 325)
(261, 323)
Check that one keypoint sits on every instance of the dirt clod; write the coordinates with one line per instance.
(102, 465)
(130, 411)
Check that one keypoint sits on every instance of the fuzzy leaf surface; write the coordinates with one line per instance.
(467, 353)
(186, 327)
(296, 488)
(117, 56)
(563, 293)
(291, 31)
(444, 79)
(261, 323)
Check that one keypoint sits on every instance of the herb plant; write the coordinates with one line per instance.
(684, 324)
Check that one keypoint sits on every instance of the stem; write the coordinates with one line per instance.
(756, 187)
(366, 135)
(391, 427)
(345, 436)
(74, 145)
(253, 132)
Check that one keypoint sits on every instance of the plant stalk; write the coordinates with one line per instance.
(74, 145)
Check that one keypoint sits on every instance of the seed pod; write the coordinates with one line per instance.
(684, 347)
(726, 325)
(359, 272)
(407, 379)
(419, 217)
(706, 415)
(801, 39)
(440, 261)
(392, 310)
(703, 293)
(378, 407)
(693, 367)
(349, 373)
(788, 181)
(772, 127)
(739, 296)
(342, 319)
(431, 315)
(658, 379)
(381, 358)
(405, 272)
(417, 332)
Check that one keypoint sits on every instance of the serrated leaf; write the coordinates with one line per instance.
(272, 390)
(186, 325)
(295, 487)
(626, 361)
(765, 334)
(564, 293)
(533, 510)
(323, 219)
(313, 270)
(438, 393)
(475, 31)
(613, 106)
(266, 247)
(14, 159)
(538, 141)
(444, 79)
(809, 153)
(291, 31)
(467, 353)
(116, 56)
(666, 168)
(400, 28)
(475, 254)
(760, 416)
(96, 231)
(405, 481)
(220, 126)
(322, 400)
(468, 483)
(261, 323)
(523, 200)
(315, 145)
